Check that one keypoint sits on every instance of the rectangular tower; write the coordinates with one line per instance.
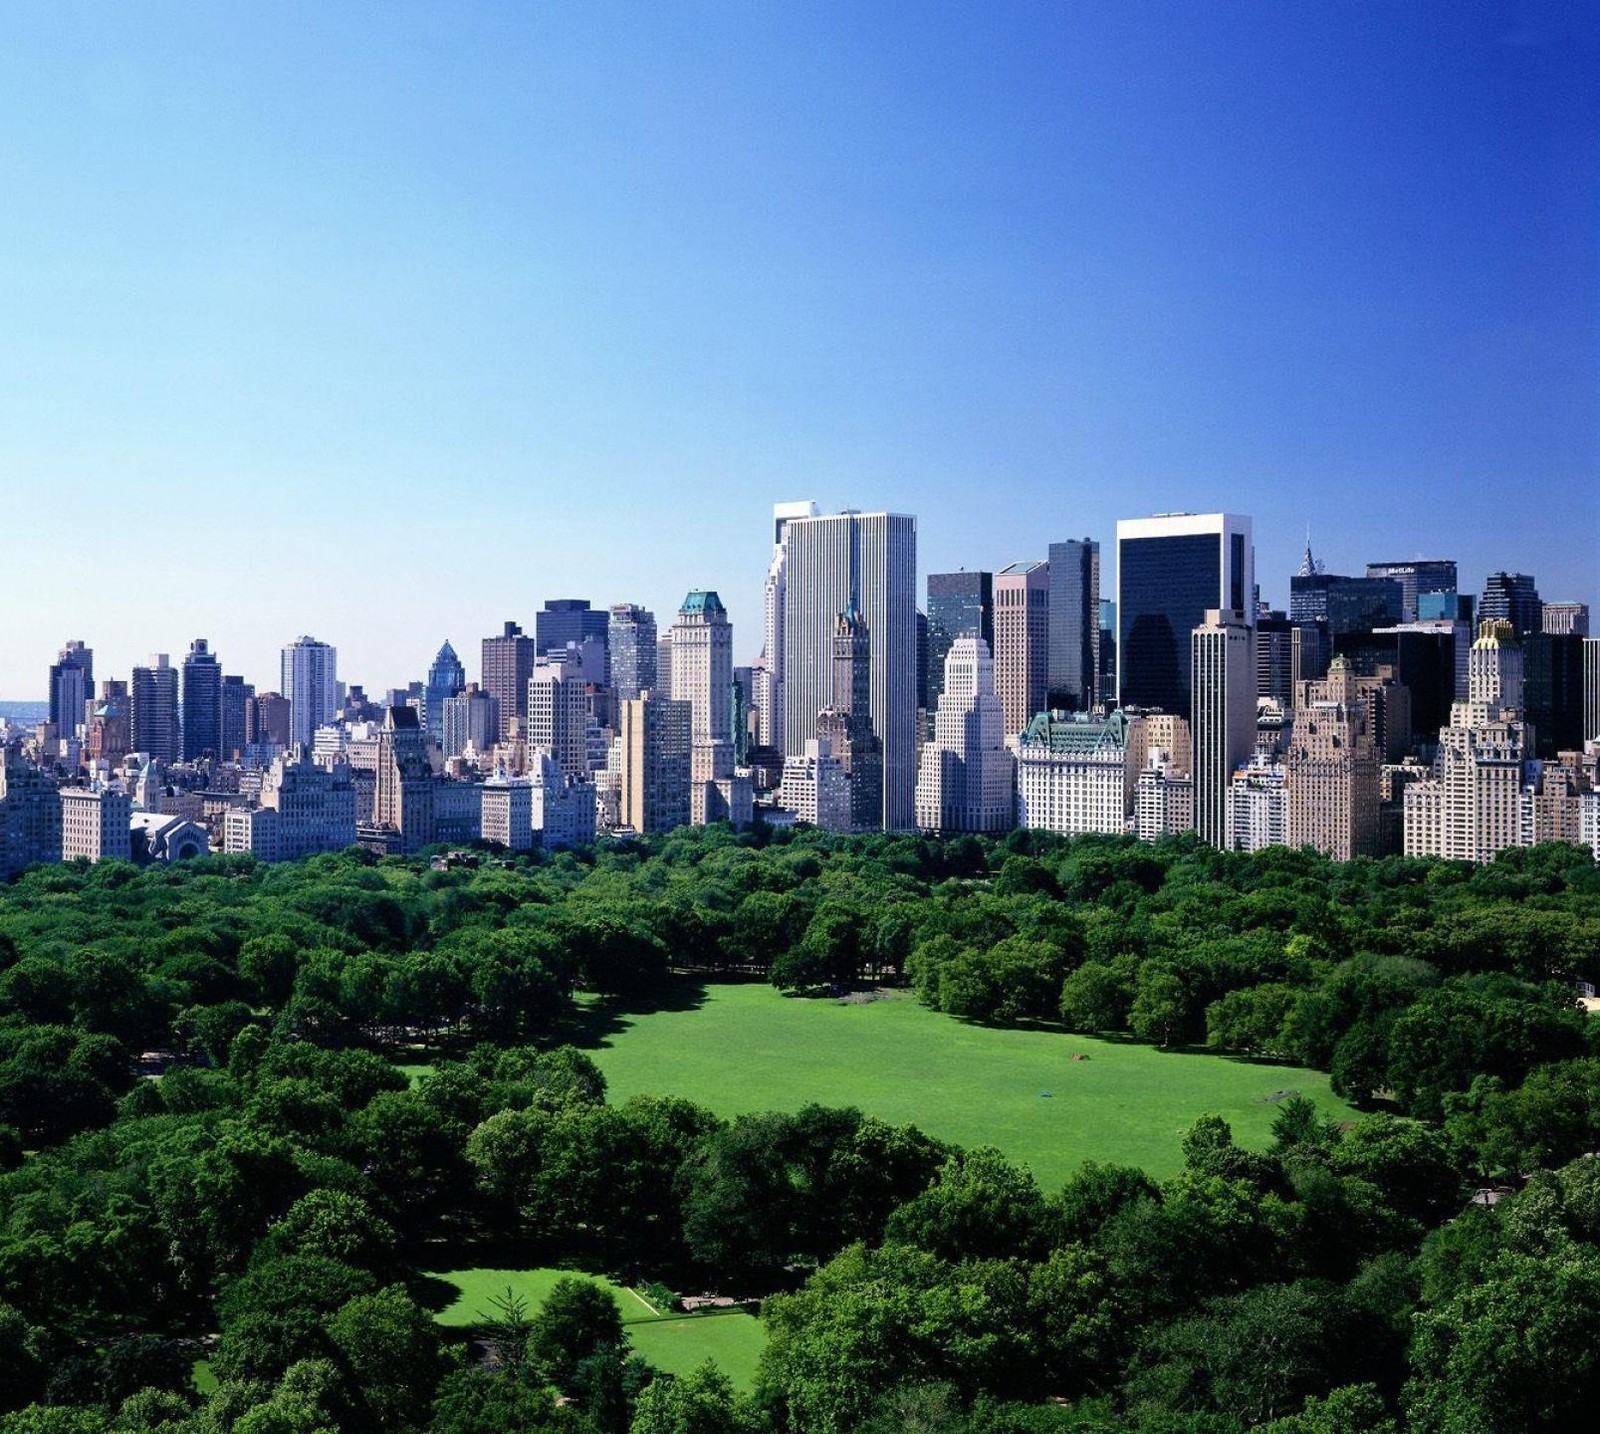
(1022, 641)
(1172, 569)
(959, 605)
(1223, 720)
(867, 561)
(1074, 625)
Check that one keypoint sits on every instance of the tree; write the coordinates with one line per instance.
(1094, 998)
(700, 1402)
(1160, 1010)
(392, 1347)
(980, 1207)
(579, 1318)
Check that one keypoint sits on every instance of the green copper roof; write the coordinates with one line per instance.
(702, 602)
(1076, 732)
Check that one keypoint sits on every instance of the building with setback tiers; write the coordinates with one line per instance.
(1333, 766)
(1222, 723)
(966, 778)
(846, 722)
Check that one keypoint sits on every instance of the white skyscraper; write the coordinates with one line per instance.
(702, 676)
(311, 685)
(866, 564)
(1223, 720)
(966, 780)
(768, 695)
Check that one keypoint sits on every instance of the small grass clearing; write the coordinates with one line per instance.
(747, 1048)
(677, 1343)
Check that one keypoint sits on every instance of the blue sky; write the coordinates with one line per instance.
(386, 322)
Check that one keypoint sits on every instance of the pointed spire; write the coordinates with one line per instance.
(1309, 566)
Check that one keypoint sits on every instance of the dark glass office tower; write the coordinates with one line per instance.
(959, 605)
(1074, 641)
(1418, 577)
(571, 622)
(1171, 570)
(1552, 684)
(1514, 598)
(1346, 604)
(202, 702)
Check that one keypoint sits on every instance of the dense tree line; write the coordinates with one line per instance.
(209, 1147)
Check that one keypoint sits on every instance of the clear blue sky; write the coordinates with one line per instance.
(385, 322)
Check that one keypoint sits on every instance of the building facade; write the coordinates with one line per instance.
(507, 665)
(653, 764)
(309, 677)
(966, 777)
(865, 562)
(202, 702)
(1223, 715)
(1074, 626)
(1076, 773)
(631, 641)
(153, 710)
(1171, 570)
(959, 605)
(1022, 641)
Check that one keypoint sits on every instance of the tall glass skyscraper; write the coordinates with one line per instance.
(959, 605)
(1171, 570)
(865, 562)
(631, 638)
(202, 702)
(1074, 625)
(446, 678)
(309, 675)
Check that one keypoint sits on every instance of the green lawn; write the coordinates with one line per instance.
(747, 1048)
(675, 1343)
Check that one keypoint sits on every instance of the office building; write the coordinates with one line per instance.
(1275, 658)
(1223, 715)
(309, 681)
(1561, 618)
(202, 703)
(1074, 626)
(959, 605)
(846, 722)
(1172, 570)
(570, 624)
(1591, 689)
(866, 563)
(153, 710)
(1429, 659)
(631, 642)
(471, 719)
(557, 715)
(95, 823)
(1552, 670)
(1108, 654)
(266, 720)
(1418, 578)
(1022, 641)
(1076, 773)
(1513, 598)
(1333, 765)
(768, 694)
(71, 686)
(236, 695)
(1344, 604)
(507, 665)
(653, 764)
(966, 777)
(446, 678)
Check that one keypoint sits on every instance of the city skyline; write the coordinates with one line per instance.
(302, 299)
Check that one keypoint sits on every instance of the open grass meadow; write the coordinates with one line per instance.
(741, 1048)
(677, 1343)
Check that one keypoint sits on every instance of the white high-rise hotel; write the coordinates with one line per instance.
(865, 561)
(310, 682)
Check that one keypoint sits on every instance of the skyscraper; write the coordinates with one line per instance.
(631, 639)
(866, 562)
(557, 717)
(446, 678)
(768, 694)
(1417, 577)
(1022, 641)
(202, 702)
(471, 717)
(1513, 598)
(571, 622)
(507, 666)
(310, 682)
(1074, 625)
(1332, 769)
(1223, 724)
(236, 695)
(71, 686)
(654, 767)
(846, 723)
(153, 710)
(965, 781)
(1591, 689)
(1561, 618)
(1172, 570)
(702, 676)
(959, 605)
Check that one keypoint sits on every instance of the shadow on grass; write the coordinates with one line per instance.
(596, 1022)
